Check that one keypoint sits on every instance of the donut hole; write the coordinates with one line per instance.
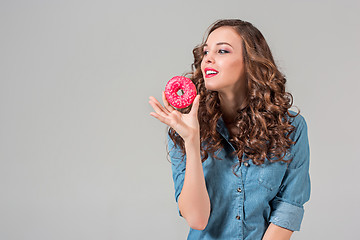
(180, 92)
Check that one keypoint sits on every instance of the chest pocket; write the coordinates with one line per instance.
(271, 175)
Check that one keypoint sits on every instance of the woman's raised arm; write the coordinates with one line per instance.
(194, 201)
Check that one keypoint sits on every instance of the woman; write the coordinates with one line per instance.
(240, 156)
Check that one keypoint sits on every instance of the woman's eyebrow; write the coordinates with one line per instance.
(219, 43)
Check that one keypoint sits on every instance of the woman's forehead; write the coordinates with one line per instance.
(223, 34)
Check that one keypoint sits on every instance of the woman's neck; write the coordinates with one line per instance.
(229, 104)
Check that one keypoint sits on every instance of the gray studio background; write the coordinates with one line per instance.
(80, 156)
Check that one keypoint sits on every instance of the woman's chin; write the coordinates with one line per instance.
(211, 86)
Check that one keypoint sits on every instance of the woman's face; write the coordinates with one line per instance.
(222, 65)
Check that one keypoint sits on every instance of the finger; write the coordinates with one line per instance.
(156, 102)
(166, 103)
(158, 110)
(162, 119)
(195, 106)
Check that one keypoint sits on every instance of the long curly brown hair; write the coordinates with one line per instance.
(263, 119)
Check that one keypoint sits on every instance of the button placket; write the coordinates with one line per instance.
(240, 195)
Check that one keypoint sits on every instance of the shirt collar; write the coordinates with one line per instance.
(222, 129)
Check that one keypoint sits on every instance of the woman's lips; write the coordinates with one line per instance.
(210, 75)
(210, 72)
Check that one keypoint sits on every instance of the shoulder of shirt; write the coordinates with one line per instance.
(298, 122)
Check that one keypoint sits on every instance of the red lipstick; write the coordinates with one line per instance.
(210, 72)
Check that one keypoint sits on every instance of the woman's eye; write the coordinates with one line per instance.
(223, 51)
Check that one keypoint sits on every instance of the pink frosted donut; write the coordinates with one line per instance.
(174, 85)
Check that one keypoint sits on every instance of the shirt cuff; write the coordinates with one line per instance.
(179, 211)
(286, 215)
(179, 185)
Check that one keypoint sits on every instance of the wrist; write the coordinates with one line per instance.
(192, 138)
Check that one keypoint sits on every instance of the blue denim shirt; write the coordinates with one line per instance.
(243, 206)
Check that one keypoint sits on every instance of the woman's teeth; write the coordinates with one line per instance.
(210, 72)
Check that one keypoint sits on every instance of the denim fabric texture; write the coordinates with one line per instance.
(243, 206)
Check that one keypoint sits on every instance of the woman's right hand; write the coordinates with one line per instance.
(186, 125)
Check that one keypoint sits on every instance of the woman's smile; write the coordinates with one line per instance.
(210, 72)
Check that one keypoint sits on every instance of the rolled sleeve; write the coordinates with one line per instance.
(178, 169)
(287, 206)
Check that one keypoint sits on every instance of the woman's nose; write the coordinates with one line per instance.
(209, 58)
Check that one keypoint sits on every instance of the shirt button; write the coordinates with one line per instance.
(246, 164)
(239, 189)
(238, 217)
